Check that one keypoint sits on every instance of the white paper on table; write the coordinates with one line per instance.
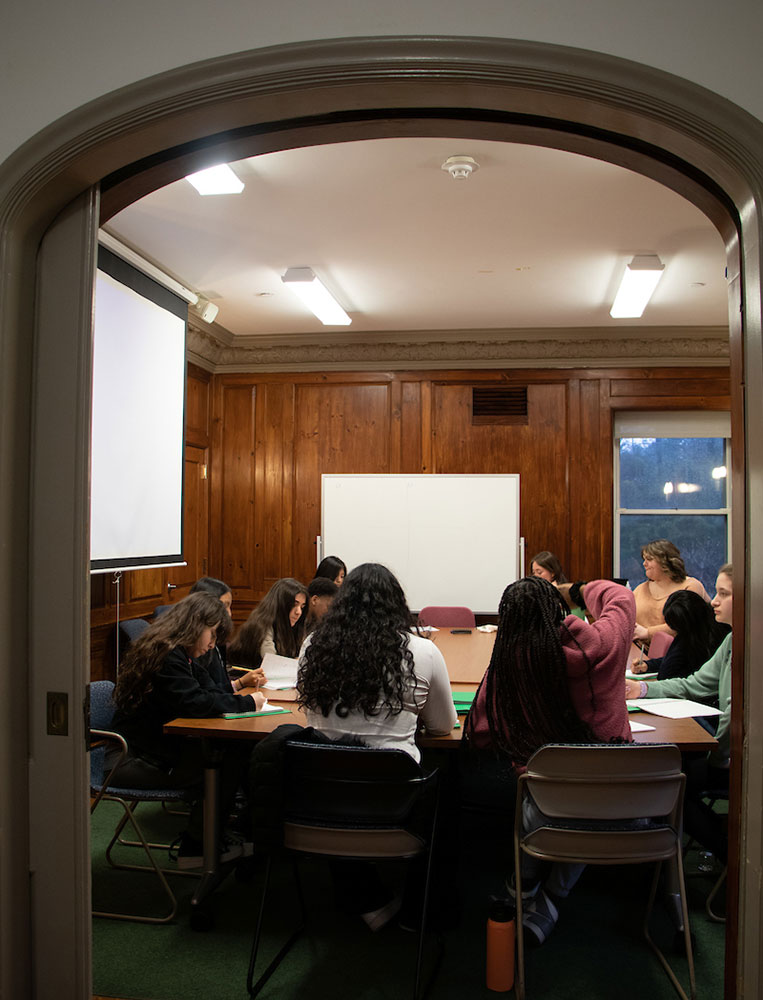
(267, 707)
(487, 628)
(630, 676)
(427, 628)
(676, 708)
(281, 672)
(640, 727)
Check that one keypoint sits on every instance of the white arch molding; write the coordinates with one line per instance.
(701, 145)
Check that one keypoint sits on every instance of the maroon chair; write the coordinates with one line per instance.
(445, 617)
(660, 644)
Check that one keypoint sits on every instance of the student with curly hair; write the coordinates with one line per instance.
(553, 678)
(364, 673)
(162, 679)
(275, 625)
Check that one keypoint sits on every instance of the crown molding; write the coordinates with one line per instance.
(217, 350)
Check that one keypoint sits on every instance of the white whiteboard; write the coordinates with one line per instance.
(448, 539)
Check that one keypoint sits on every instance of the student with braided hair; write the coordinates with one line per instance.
(553, 678)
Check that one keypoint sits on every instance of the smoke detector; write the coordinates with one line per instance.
(460, 168)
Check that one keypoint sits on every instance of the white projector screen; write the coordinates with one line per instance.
(450, 540)
(136, 475)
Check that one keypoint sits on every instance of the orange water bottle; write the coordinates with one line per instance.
(501, 929)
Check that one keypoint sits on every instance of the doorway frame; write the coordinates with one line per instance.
(131, 141)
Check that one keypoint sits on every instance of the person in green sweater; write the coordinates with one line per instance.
(712, 680)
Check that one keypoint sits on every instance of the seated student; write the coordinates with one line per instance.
(712, 680)
(275, 625)
(332, 568)
(665, 574)
(320, 593)
(215, 660)
(697, 636)
(160, 679)
(553, 678)
(547, 566)
(363, 674)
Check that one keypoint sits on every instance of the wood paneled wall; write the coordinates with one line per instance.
(267, 438)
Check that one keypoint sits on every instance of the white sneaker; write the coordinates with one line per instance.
(376, 919)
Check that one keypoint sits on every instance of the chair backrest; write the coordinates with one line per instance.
(660, 644)
(132, 628)
(353, 787)
(101, 718)
(606, 782)
(445, 617)
(161, 608)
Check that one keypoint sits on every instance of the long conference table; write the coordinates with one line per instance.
(467, 656)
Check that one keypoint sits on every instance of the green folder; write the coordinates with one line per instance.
(251, 715)
(463, 701)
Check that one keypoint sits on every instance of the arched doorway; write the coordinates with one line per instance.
(151, 133)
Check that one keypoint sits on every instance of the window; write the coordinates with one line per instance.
(672, 481)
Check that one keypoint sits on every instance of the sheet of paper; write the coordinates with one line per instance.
(281, 672)
(427, 628)
(487, 628)
(676, 708)
(640, 727)
(629, 675)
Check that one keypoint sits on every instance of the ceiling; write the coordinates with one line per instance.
(536, 238)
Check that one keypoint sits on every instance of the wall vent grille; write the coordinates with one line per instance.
(499, 404)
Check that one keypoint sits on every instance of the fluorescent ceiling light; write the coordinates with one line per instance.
(216, 180)
(316, 296)
(639, 281)
(719, 472)
(688, 488)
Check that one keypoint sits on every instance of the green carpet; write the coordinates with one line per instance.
(595, 953)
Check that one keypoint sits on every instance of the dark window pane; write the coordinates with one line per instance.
(701, 539)
(672, 473)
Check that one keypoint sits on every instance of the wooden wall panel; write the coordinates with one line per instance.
(234, 479)
(273, 486)
(197, 407)
(537, 451)
(338, 429)
(267, 437)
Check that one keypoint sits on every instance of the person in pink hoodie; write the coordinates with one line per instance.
(553, 678)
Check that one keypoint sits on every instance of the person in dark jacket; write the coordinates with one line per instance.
(698, 635)
(161, 679)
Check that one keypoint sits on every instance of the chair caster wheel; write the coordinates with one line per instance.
(202, 919)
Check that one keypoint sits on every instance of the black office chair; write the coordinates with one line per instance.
(352, 803)
(102, 788)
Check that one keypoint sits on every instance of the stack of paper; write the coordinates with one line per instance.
(281, 672)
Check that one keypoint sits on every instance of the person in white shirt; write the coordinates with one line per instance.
(363, 673)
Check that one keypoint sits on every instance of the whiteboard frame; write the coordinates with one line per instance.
(450, 539)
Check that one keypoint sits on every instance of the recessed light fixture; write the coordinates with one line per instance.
(638, 283)
(216, 180)
(303, 282)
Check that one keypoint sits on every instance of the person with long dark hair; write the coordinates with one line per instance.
(161, 679)
(332, 568)
(697, 636)
(275, 625)
(546, 565)
(363, 672)
(553, 678)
